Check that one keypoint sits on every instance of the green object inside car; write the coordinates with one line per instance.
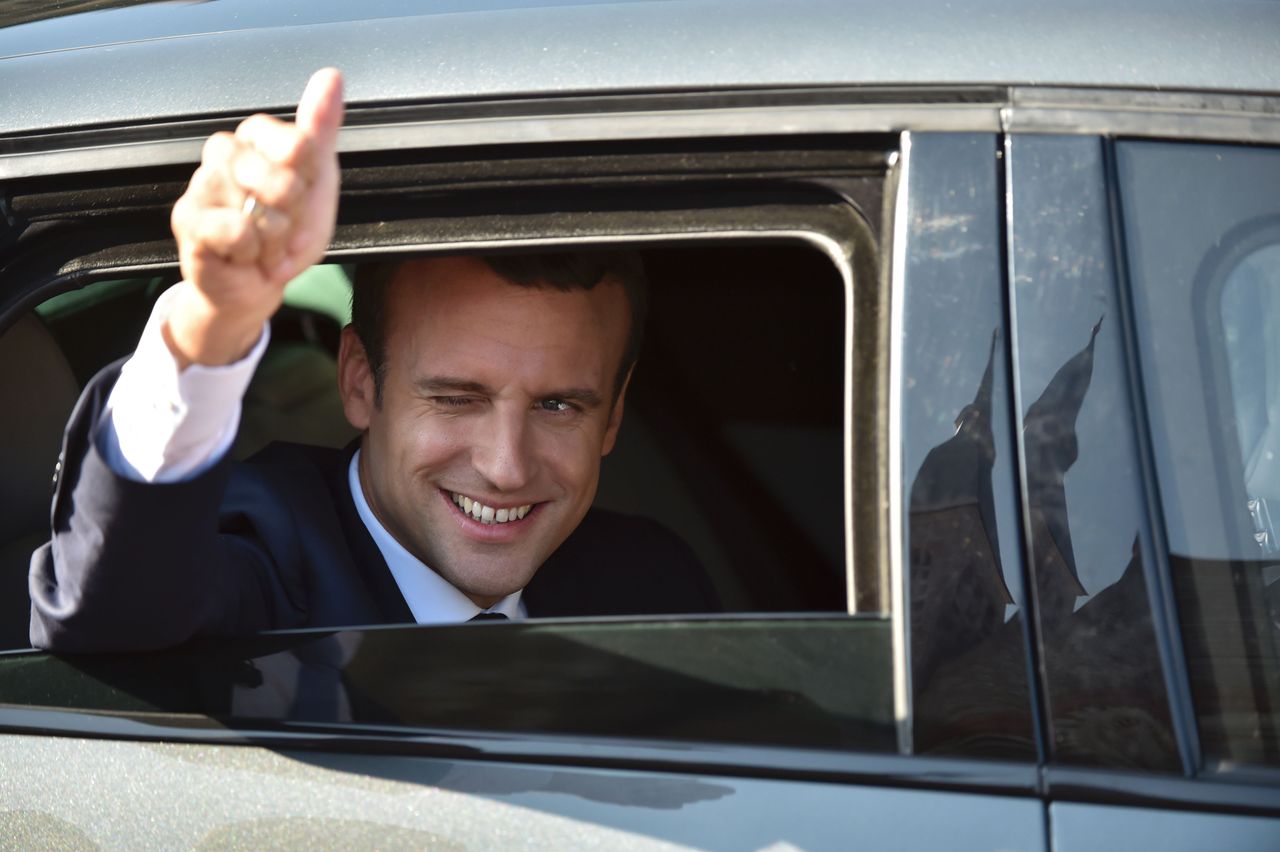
(324, 289)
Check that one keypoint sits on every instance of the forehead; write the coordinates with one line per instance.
(457, 308)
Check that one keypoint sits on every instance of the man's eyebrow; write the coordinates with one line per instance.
(585, 397)
(443, 384)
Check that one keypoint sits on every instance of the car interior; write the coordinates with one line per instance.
(733, 436)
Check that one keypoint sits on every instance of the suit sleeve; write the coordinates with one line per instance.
(134, 565)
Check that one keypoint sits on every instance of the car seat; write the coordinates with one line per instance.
(37, 393)
(293, 397)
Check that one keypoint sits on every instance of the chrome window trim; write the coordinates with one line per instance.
(1021, 109)
(783, 120)
(898, 575)
(1210, 116)
(1031, 643)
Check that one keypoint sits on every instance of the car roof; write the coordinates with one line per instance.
(101, 63)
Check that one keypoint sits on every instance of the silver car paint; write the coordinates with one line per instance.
(658, 45)
(74, 793)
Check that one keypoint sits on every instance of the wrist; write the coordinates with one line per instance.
(199, 332)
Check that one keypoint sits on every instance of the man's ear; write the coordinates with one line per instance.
(615, 416)
(355, 380)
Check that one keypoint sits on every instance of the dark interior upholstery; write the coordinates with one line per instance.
(37, 392)
(293, 397)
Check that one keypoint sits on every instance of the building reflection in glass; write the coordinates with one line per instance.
(1099, 656)
(967, 661)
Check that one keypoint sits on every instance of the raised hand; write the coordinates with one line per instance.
(260, 209)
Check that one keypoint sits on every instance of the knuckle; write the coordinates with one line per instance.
(205, 182)
(252, 125)
(247, 168)
(217, 146)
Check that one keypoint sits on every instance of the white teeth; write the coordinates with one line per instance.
(487, 514)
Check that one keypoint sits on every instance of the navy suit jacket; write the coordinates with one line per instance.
(276, 543)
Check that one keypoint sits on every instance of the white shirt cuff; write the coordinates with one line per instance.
(166, 425)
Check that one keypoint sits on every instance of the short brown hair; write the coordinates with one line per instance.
(563, 270)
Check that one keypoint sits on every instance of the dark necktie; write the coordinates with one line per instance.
(488, 616)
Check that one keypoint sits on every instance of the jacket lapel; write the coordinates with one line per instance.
(368, 560)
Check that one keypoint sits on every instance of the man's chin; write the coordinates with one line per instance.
(484, 583)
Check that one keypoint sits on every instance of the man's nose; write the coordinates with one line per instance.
(502, 455)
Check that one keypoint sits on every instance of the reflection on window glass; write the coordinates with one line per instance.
(811, 683)
(967, 634)
(1104, 677)
(1203, 223)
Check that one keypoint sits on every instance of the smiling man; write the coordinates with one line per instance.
(487, 406)
(487, 390)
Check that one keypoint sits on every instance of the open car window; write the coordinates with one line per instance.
(735, 439)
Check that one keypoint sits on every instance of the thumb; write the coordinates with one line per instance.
(320, 109)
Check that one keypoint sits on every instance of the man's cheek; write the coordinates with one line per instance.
(431, 447)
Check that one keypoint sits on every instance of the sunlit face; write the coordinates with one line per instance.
(497, 406)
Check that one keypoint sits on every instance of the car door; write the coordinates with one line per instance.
(806, 716)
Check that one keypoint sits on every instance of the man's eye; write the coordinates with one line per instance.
(453, 401)
(555, 405)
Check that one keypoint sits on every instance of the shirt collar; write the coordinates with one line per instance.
(431, 598)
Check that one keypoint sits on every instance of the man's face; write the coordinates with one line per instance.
(497, 406)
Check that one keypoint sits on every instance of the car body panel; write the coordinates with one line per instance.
(164, 795)
(1100, 828)
(57, 76)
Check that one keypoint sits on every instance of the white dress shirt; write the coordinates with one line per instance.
(162, 424)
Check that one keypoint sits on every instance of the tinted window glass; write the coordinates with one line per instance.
(1203, 227)
(819, 683)
(1091, 554)
(967, 634)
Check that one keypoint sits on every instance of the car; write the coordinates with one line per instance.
(961, 380)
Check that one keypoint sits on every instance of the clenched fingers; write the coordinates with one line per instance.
(280, 142)
(282, 189)
(265, 196)
(227, 233)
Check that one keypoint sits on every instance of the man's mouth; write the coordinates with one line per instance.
(488, 514)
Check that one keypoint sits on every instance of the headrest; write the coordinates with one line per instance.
(37, 393)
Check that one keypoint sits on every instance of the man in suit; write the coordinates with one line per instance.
(486, 392)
